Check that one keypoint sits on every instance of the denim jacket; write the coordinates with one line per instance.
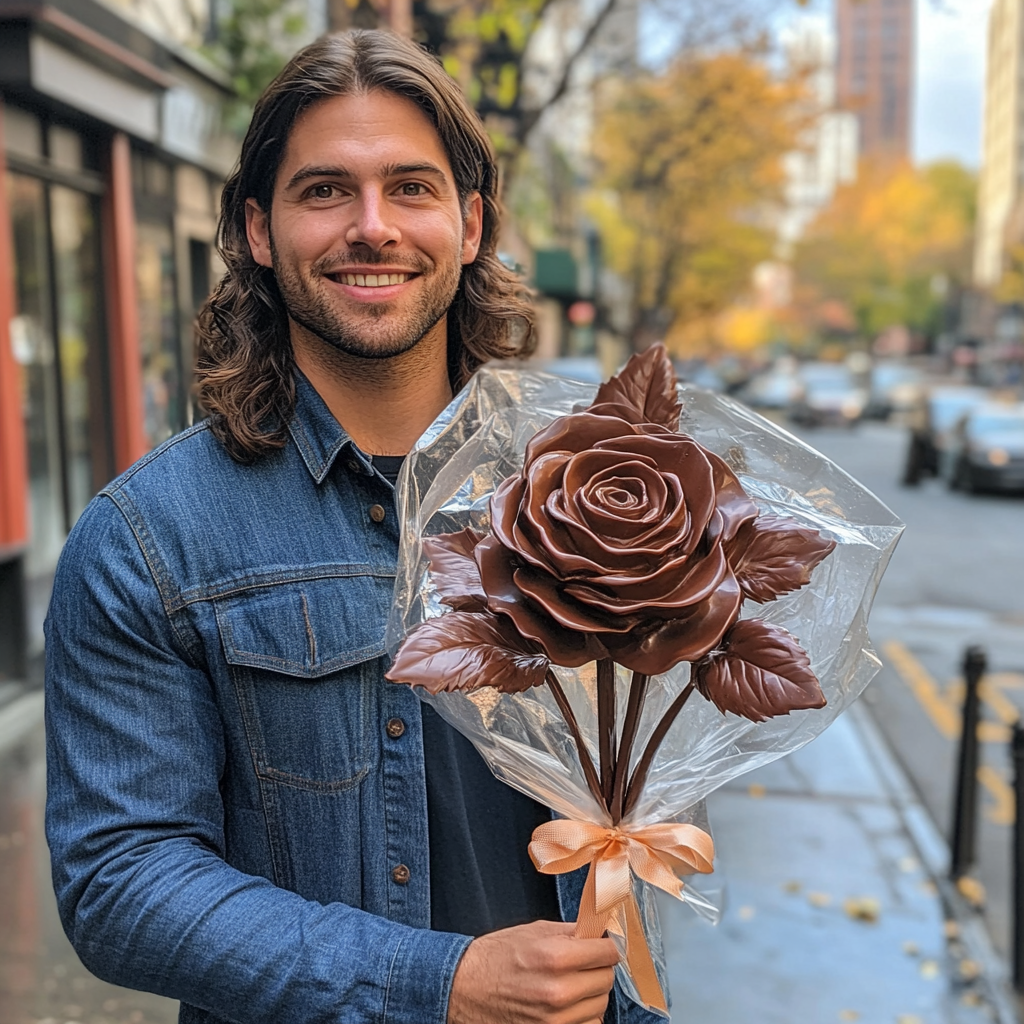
(237, 808)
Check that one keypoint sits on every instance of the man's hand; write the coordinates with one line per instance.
(533, 974)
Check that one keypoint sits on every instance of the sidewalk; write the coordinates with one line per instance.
(837, 908)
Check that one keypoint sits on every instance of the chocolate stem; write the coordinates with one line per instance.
(630, 725)
(606, 725)
(636, 784)
(589, 771)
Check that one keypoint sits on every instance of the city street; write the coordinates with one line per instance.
(955, 580)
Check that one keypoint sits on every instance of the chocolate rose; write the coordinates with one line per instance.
(610, 543)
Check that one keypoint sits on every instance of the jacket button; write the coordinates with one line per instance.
(354, 466)
(395, 727)
(401, 874)
(377, 513)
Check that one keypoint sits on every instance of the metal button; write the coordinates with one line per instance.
(395, 727)
(377, 513)
(401, 874)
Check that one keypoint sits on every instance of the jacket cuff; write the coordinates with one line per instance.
(420, 978)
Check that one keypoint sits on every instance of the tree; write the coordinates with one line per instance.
(689, 162)
(892, 243)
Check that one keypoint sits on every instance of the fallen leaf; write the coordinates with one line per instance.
(819, 899)
(756, 790)
(849, 1015)
(951, 929)
(971, 998)
(911, 948)
(929, 969)
(909, 1018)
(862, 908)
(969, 969)
(792, 887)
(972, 890)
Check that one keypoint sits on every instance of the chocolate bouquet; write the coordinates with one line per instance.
(568, 583)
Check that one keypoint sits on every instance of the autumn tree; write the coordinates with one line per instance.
(892, 244)
(689, 162)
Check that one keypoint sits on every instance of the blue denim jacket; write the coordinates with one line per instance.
(227, 807)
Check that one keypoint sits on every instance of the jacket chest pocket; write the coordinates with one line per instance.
(305, 661)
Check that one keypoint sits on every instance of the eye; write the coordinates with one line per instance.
(413, 188)
(323, 191)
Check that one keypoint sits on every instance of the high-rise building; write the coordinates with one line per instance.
(1002, 164)
(874, 72)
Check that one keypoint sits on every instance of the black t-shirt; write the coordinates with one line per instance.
(481, 875)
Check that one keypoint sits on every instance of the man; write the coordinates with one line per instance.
(242, 814)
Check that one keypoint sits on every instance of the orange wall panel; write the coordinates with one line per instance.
(13, 456)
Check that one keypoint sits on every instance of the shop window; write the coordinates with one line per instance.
(23, 134)
(162, 378)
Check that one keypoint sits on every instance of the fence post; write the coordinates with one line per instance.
(1017, 752)
(965, 806)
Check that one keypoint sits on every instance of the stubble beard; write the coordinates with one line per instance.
(379, 330)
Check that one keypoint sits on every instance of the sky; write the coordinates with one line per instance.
(950, 79)
(949, 71)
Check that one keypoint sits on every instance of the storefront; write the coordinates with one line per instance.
(110, 159)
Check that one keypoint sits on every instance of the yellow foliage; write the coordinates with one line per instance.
(688, 161)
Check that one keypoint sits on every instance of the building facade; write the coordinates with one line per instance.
(875, 72)
(1002, 163)
(111, 160)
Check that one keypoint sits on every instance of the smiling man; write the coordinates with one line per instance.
(242, 813)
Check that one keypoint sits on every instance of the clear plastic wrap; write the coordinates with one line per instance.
(446, 485)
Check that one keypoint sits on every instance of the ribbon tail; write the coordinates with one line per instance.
(590, 924)
(638, 957)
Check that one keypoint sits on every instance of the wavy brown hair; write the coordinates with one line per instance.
(244, 361)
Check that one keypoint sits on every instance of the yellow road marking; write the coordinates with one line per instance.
(1002, 794)
(944, 712)
(943, 715)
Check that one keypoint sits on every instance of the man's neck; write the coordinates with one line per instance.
(384, 404)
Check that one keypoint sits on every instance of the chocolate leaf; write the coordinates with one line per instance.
(643, 391)
(759, 672)
(467, 650)
(453, 569)
(774, 555)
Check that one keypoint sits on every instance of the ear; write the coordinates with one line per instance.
(473, 228)
(257, 230)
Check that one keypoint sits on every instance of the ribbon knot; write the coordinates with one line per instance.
(655, 853)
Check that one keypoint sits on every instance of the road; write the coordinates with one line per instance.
(957, 578)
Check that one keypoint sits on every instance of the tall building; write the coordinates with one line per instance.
(1002, 163)
(874, 72)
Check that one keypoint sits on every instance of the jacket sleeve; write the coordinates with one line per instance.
(134, 820)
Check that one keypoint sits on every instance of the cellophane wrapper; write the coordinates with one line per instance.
(446, 485)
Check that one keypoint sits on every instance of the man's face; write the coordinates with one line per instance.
(366, 232)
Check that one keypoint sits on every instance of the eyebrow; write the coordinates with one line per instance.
(387, 171)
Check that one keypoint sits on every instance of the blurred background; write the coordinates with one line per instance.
(817, 206)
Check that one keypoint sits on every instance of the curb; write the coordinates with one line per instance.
(933, 850)
(18, 717)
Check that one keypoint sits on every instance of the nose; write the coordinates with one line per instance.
(372, 224)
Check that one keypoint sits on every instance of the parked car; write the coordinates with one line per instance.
(935, 418)
(774, 389)
(895, 387)
(986, 450)
(828, 396)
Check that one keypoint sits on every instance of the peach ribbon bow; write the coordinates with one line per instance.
(655, 853)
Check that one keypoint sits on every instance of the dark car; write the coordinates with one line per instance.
(987, 449)
(932, 422)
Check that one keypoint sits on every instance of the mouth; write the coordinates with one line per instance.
(370, 280)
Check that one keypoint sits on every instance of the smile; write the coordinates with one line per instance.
(371, 280)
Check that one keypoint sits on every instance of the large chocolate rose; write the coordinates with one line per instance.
(610, 543)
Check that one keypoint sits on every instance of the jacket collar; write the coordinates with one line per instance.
(319, 437)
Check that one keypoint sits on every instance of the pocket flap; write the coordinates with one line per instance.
(306, 628)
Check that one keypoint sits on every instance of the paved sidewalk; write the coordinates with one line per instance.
(836, 904)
